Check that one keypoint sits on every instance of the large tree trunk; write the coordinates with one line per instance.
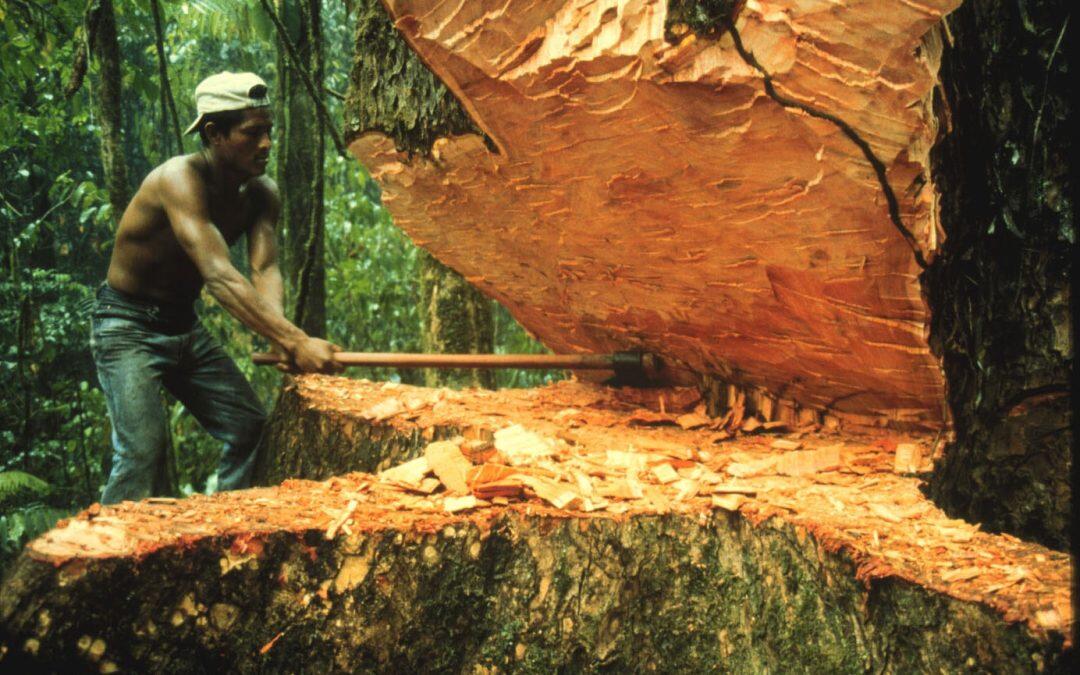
(300, 166)
(847, 569)
(107, 103)
(747, 191)
(1000, 290)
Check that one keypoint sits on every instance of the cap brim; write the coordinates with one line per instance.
(194, 125)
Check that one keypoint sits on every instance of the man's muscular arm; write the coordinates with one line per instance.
(263, 252)
(184, 199)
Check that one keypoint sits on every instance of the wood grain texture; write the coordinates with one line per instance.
(645, 194)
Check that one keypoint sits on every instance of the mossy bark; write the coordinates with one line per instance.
(999, 291)
(107, 105)
(305, 442)
(391, 91)
(524, 593)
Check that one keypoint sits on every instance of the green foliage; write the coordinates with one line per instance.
(19, 487)
(704, 17)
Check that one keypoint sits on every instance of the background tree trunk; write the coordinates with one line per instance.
(457, 319)
(106, 99)
(170, 122)
(999, 292)
(300, 166)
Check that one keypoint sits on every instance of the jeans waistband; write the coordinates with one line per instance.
(114, 303)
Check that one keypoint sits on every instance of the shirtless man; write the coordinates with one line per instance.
(173, 239)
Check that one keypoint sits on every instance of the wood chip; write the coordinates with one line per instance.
(455, 504)
(809, 462)
(643, 417)
(908, 458)
(752, 468)
(558, 495)
(665, 474)
(728, 502)
(686, 489)
(667, 448)
(962, 574)
(331, 531)
(692, 420)
(410, 473)
(519, 446)
(383, 410)
(882, 511)
(504, 489)
(489, 473)
(751, 425)
(784, 444)
(1049, 619)
(449, 465)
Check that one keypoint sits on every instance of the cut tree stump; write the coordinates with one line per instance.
(676, 549)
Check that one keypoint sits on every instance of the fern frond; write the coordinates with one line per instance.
(19, 487)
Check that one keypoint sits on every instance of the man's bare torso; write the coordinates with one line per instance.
(147, 260)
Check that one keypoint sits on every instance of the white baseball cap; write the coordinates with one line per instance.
(228, 91)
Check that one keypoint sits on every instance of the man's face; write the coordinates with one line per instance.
(247, 145)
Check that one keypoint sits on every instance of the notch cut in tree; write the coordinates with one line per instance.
(747, 190)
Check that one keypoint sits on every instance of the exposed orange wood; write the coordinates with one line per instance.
(653, 195)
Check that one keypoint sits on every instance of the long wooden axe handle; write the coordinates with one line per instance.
(623, 361)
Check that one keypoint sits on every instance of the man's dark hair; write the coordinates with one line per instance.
(223, 121)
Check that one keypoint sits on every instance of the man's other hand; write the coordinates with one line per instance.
(315, 355)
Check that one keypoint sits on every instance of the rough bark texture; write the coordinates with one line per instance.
(107, 108)
(753, 209)
(300, 167)
(529, 593)
(457, 319)
(1000, 290)
(391, 91)
(303, 441)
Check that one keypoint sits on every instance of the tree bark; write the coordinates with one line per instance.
(168, 103)
(300, 165)
(1000, 289)
(107, 104)
(303, 441)
(457, 319)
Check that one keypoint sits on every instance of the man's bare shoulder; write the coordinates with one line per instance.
(180, 175)
(264, 187)
(264, 193)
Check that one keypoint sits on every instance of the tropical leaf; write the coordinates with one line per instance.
(19, 488)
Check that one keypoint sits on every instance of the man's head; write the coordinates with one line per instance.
(234, 119)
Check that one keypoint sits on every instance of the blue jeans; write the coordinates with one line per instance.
(140, 347)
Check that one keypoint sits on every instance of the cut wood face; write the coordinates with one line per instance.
(659, 196)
